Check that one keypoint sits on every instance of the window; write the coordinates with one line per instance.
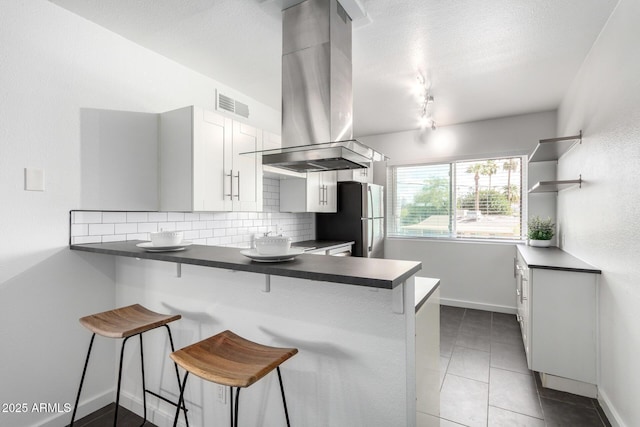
(466, 199)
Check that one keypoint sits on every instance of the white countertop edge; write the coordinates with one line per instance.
(424, 287)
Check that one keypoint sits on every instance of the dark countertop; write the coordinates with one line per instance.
(554, 258)
(375, 273)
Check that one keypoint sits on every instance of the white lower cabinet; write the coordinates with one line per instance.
(318, 192)
(556, 309)
(201, 165)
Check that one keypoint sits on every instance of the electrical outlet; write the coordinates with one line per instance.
(221, 392)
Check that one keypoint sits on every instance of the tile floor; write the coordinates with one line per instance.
(485, 380)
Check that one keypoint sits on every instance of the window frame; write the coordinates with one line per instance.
(392, 220)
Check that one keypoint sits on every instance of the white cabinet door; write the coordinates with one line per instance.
(322, 192)
(563, 330)
(330, 182)
(211, 155)
(318, 192)
(315, 192)
(523, 298)
(246, 169)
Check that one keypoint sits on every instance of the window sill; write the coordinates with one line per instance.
(461, 240)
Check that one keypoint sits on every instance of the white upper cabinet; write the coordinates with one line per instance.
(317, 193)
(357, 175)
(201, 168)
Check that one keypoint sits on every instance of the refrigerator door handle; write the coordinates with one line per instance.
(370, 214)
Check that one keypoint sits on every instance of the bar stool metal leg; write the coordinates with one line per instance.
(181, 400)
(232, 405)
(284, 400)
(84, 371)
(144, 388)
(184, 409)
(115, 416)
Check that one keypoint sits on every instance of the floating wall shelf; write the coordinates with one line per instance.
(554, 148)
(555, 186)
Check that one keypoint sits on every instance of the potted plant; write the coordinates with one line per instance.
(540, 231)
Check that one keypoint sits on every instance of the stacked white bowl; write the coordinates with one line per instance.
(273, 245)
(167, 238)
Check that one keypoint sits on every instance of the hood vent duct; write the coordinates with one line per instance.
(317, 99)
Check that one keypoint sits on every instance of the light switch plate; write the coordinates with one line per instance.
(33, 179)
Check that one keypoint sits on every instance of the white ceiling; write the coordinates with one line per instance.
(483, 59)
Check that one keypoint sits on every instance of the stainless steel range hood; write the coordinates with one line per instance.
(317, 96)
(328, 156)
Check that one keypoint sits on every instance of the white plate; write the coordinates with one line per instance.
(150, 247)
(289, 255)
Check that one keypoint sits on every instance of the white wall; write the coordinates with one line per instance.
(53, 64)
(473, 274)
(599, 222)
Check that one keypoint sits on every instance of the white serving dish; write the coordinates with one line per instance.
(272, 245)
(150, 247)
(166, 238)
(289, 255)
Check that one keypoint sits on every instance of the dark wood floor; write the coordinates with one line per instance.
(104, 418)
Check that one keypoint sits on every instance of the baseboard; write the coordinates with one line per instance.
(609, 409)
(85, 408)
(569, 386)
(478, 306)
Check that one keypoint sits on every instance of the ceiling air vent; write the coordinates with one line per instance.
(226, 103)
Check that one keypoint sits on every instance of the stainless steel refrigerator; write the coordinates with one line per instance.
(360, 218)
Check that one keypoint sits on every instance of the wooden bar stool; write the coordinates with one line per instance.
(231, 360)
(127, 322)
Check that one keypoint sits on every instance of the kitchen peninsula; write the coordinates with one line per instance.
(353, 320)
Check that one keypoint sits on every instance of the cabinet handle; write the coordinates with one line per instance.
(238, 195)
(230, 175)
(326, 198)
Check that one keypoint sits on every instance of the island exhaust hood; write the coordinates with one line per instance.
(317, 100)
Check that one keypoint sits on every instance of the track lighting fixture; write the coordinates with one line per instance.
(426, 101)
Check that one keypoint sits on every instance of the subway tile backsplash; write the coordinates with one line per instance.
(235, 229)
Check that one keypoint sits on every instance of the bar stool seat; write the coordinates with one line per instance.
(230, 360)
(126, 322)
